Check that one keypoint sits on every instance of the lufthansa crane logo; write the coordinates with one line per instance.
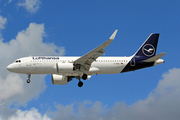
(148, 50)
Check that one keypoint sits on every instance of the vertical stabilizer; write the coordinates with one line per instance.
(145, 55)
(148, 48)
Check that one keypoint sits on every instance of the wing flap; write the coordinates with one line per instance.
(153, 59)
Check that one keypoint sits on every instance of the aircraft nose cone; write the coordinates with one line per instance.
(10, 67)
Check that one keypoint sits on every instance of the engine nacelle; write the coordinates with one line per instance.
(59, 79)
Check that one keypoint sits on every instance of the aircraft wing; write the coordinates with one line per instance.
(84, 62)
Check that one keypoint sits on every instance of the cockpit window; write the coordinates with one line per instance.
(17, 61)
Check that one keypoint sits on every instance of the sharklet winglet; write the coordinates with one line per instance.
(113, 35)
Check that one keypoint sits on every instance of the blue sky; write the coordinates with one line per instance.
(73, 28)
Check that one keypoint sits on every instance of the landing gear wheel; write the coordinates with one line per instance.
(84, 77)
(28, 81)
(80, 84)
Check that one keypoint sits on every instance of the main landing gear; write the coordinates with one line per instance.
(80, 84)
(28, 80)
(84, 77)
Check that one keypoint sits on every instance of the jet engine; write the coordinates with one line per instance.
(59, 79)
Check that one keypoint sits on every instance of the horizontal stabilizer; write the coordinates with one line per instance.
(153, 59)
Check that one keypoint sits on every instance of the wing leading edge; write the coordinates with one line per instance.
(84, 62)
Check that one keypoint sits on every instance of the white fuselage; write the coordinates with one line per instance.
(64, 65)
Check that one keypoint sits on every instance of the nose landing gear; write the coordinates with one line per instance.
(28, 80)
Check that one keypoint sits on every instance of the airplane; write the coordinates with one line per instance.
(63, 69)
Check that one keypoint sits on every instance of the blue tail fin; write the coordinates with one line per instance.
(145, 56)
(148, 48)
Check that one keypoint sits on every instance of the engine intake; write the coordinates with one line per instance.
(59, 79)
